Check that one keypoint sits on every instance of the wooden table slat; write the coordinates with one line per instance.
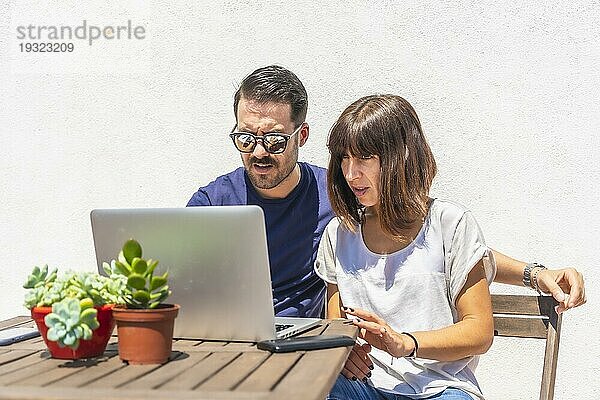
(241, 346)
(186, 343)
(36, 393)
(11, 355)
(167, 372)
(269, 373)
(316, 330)
(127, 374)
(20, 320)
(43, 365)
(203, 345)
(232, 374)
(106, 366)
(22, 362)
(340, 327)
(200, 372)
(65, 369)
(35, 344)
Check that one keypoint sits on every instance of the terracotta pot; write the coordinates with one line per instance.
(145, 336)
(87, 348)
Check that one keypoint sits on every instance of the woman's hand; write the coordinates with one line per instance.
(566, 286)
(359, 364)
(379, 334)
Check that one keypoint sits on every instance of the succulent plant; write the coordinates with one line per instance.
(39, 277)
(146, 290)
(47, 289)
(70, 321)
(40, 283)
(72, 296)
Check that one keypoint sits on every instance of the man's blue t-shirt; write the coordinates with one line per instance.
(294, 228)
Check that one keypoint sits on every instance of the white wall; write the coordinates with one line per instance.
(507, 94)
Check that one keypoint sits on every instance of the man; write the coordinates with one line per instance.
(271, 103)
(270, 110)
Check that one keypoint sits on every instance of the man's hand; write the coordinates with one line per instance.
(359, 364)
(566, 286)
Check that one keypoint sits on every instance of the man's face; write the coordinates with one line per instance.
(266, 170)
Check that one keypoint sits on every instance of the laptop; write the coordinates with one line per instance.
(218, 267)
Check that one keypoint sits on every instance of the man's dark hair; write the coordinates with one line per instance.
(274, 84)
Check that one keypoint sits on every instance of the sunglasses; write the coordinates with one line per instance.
(273, 142)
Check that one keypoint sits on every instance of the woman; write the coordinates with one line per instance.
(411, 271)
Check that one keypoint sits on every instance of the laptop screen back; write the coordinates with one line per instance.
(217, 261)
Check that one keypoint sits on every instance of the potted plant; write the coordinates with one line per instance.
(73, 312)
(144, 324)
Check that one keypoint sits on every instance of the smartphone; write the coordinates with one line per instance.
(305, 343)
(13, 335)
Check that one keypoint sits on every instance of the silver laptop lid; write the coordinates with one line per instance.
(217, 261)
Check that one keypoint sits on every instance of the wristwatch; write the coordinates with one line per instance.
(527, 274)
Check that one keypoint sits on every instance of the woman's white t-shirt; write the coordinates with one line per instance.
(413, 289)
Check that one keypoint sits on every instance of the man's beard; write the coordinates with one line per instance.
(278, 173)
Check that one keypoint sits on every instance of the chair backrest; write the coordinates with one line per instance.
(531, 317)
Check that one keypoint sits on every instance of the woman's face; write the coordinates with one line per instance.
(363, 176)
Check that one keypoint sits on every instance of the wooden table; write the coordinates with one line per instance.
(196, 370)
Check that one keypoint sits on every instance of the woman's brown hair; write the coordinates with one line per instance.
(386, 126)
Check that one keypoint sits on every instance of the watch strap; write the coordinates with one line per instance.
(527, 275)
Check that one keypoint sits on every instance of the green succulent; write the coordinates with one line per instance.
(146, 290)
(70, 321)
(40, 284)
(39, 277)
(46, 289)
(73, 296)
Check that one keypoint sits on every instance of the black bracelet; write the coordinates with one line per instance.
(413, 353)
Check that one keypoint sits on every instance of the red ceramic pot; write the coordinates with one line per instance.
(87, 348)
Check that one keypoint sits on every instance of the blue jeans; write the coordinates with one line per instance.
(346, 389)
